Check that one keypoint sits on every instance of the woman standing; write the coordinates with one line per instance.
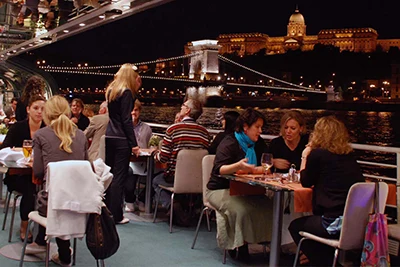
(60, 140)
(20, 131)
(246, 219)
(287, 148)
(120, 136)
(329, 166)
(34, 86)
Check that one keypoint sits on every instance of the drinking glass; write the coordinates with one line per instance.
(266, 162)
(27, 149)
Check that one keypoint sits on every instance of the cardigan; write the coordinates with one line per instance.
(17, 133)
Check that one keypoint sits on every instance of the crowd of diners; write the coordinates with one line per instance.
(60, 131)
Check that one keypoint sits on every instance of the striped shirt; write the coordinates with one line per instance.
(186, 134)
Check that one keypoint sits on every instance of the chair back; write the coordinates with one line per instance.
(359, 205)
(188, 172)
(207, 165)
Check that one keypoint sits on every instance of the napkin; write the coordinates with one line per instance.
(7, 154)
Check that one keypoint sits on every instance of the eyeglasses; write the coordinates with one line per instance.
(184, 105)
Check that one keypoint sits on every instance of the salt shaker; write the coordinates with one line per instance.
(292, 173)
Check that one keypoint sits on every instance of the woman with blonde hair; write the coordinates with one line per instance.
(120, 136)
(287, 148)
(329, 166)
(59, 140)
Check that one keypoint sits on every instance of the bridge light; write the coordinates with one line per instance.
(219, 78)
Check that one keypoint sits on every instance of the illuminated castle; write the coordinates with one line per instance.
(351, 39)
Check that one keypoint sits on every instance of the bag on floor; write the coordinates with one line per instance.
(376, 250)
(102, 237)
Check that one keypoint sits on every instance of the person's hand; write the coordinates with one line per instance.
(136, 151)
(74, 120)
(244, 166)
(281, 164)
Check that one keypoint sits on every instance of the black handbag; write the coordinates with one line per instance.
(102, 237)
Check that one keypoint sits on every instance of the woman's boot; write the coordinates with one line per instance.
(22, 233)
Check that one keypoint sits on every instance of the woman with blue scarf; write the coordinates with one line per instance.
(240, 219)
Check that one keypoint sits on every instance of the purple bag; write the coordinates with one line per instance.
(375, 251)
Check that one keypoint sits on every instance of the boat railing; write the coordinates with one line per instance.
(361, 147)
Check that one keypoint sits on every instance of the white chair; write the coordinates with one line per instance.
(359, 204)
(188, 178)
(207, 165)
(84, 167)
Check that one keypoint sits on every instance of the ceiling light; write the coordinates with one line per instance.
(82, 24)
(30, 44)
(126, 6)
(22, 48)
(102, 16)
(66, 31)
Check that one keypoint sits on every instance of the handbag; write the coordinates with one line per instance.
(375, 251)
(102, 237)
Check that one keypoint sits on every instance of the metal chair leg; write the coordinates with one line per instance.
(198, 226)
(335, 258)
(21, 261)
(16, 196)
(74, 255)
(171, 213)
(6, 209)
(224, 257)
(298, 251)
(156, 208)
(208, 210)
(103, 264)
(47, 252)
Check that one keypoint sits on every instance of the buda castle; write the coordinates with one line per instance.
(350, 39)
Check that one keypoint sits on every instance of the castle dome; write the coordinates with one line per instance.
(296, 18)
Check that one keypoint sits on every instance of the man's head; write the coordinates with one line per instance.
(136, 112)
(76, 107)
(14, 102)
(191, 108)
(103, 108)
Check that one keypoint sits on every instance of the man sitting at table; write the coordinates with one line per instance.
(186, 134)
(143, 133)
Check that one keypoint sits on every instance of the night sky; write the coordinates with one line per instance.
(163, 31)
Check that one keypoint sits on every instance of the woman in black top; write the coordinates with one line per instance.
(244, 219)
(287, 148)
(328, 165)
(20, 131)
(34, 86)
(120, 137)
(228, 123)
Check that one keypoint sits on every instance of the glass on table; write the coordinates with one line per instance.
(27, 149)
(266, 162)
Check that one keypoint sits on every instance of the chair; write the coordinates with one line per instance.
(359, 204)
(188, 179)
(8, 197)
(207, 165)
(79, 168)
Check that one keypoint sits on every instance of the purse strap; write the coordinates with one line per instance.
(376, 202)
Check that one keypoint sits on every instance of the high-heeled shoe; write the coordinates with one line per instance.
(22, 232)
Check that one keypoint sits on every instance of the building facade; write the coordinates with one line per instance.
(350, 39)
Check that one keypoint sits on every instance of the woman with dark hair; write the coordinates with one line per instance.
(228, 123)
(287, 148)
(20, 131)
(244, 219)
(34, 86)
(328, 166)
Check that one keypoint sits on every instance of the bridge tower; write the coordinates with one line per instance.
(204, 65)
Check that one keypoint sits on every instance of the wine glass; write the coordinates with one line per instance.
(266, 162)
(27, 149)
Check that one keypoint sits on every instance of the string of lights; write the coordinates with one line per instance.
(262, 74)
(112, 74)
(119, 65)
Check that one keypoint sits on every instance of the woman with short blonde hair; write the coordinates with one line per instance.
(120, 136)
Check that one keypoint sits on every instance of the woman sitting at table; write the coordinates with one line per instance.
(60, 140)
(18, 132)
(287, 148)
(228, 123)
(328, 165)
(246, 219)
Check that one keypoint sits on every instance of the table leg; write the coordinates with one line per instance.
(150, 172)
(277, 229)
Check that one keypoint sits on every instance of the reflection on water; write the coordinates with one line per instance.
(374, 128)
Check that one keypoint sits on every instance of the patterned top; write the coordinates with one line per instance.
(186, 134)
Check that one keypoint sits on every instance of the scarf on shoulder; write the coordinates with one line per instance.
(248, 147)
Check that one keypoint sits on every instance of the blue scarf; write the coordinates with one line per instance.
(248, 147)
